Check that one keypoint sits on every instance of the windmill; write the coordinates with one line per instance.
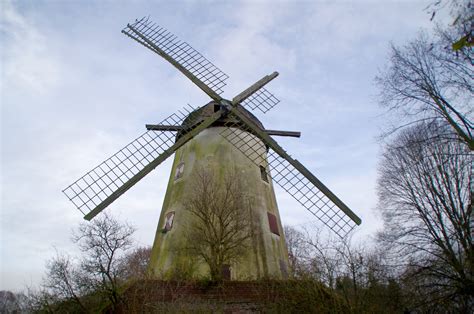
(218, 135)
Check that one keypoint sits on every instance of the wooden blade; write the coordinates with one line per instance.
(257, 97)
(104, 184)
(181, 55)
(292, 176)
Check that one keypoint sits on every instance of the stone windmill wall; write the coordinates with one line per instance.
(266, 257)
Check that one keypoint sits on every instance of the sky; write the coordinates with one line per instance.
(74, 90)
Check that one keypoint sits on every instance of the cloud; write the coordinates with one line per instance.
(244, 47)
(27, 60)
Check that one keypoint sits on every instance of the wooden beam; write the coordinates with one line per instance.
(252, 89)
(175, 128)
(152, 165)
(283, 133)
(160, 127)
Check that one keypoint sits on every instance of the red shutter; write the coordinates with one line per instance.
(272, 221)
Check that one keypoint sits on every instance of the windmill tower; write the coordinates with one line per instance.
(218, 136)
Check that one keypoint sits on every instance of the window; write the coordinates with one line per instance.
(263, 173)
(272, 221)
(179, 171)
(169, 218)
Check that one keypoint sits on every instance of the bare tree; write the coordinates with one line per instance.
(298, 251)
(461, 13)
(63, 280)
(134, 265)
(325, 264)
(219, 230)
(363, 279)
(12, 302)
(425, 196)
(104, 241)
(80, 285)
(426, 81)
(38, 300)
(356, 271)
(339, 264)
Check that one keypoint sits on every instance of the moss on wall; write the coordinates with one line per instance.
(210, 149)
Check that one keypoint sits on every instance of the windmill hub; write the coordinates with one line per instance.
(226, 104)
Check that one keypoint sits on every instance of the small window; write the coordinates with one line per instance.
(217, 107)
(169, 218)
(263, 173)
(179, 171)
(272, 221)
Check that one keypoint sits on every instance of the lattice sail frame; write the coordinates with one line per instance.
(93, 188)
(262, 100)
(289, 178)
(180, 51)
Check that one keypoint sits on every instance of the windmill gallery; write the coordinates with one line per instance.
(214, 141)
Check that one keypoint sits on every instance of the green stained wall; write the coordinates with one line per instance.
(267, 257)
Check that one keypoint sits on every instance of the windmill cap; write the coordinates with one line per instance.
(204, 112)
